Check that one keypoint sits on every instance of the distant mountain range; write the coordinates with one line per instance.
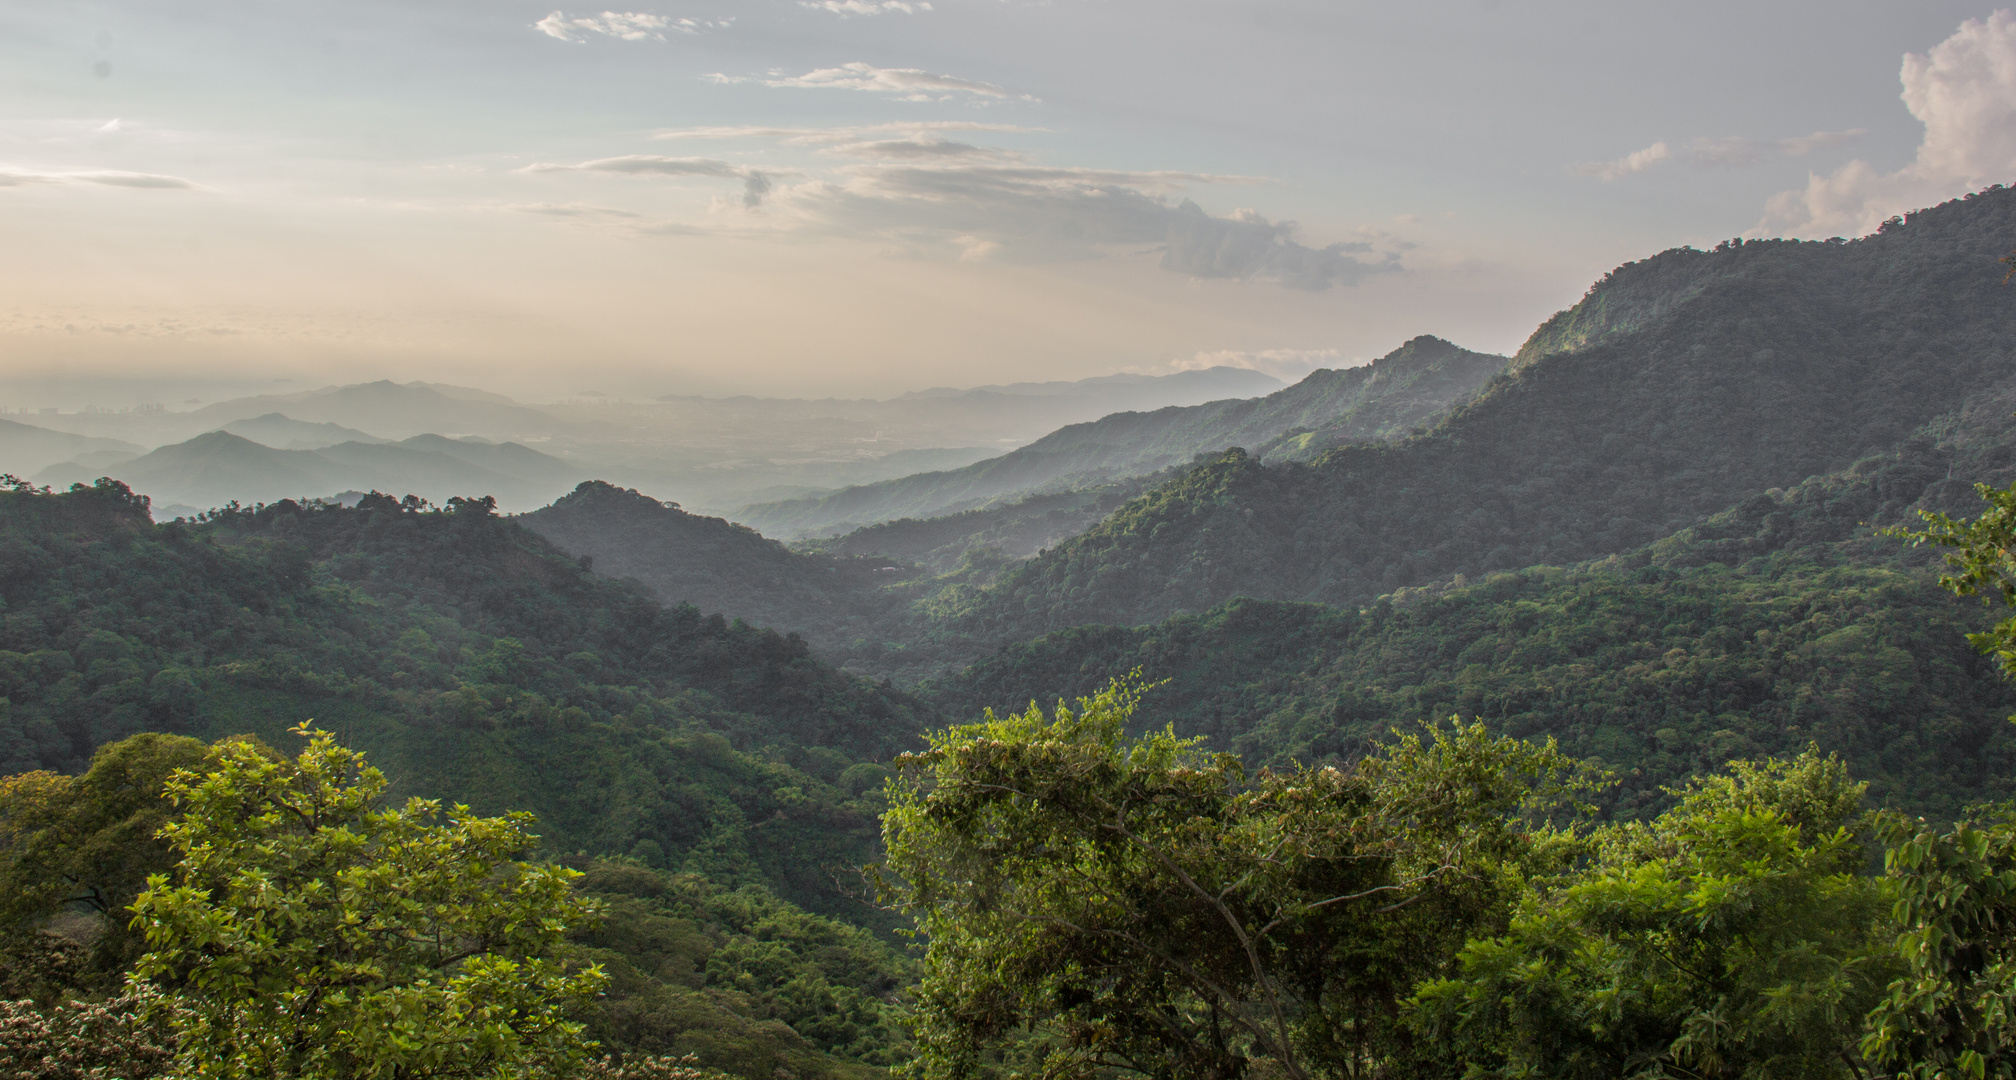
(715, 452)
(283, 432)
(1411, 386)
(26, 449)
(218, 468)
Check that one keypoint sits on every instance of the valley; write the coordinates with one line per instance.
(1654, 536)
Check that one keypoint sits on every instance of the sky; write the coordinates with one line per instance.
(861, 197)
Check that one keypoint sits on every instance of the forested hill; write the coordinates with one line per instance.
(1413, 385)
(1779, 621)
(1727, 373)
(712, 564)
(471, 658)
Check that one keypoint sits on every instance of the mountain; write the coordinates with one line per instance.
(282, 432)
(394, 409)
(1679, 385)
(1780, 620)
(1013, 530)
(26, 449)
(711, 778)
(1411, 386)
(218, 468)
(716, 566)
(474, 659)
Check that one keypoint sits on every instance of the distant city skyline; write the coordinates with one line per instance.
(862, 197)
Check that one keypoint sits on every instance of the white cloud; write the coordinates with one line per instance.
(908, 84)
(1030, 213)
(11, 177)
(569, 210)
(865, 7)
(1716, 152)
(1964, 91)
(626, 25)
(1246, 245)
(1735, 151)
(806, 136)
(755, 185)
(926, 148)
(1636, 161)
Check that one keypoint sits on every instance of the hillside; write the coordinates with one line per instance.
(1009, 530)
(1410, 386)
(220, 468)
(26, 449)
(472, 659)
(716, 566)
(1780, 620)
(283, 432)
(1732, 372)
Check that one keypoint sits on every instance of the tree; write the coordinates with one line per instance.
(89, 841)
(1138, 906)
(309, 934)
(1953, 1014)
(1734, 936)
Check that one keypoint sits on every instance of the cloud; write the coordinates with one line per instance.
(926, 148)
(1247, 245)
(626, 25)
(807, 136)
(1723, 152)
(1964, 91)
(1030, 213)
(1636, 161)
(569, 210)
(864, 7)
(908, 84)
(108, 177)
(755, 185)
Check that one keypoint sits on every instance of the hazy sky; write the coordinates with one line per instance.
(860, 197)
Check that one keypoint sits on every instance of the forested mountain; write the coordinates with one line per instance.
(1779, 620)
(470, 657)
(1413, 385)
(1712, 377)
(714, 565)
(714, 778)
(219, 468)
(1010, 530)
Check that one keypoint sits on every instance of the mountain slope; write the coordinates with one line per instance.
(475, 662)
(1779, 620)
(26, 449)
(1771, 361)
(1410, 386)
(712, 564)
(283, 432)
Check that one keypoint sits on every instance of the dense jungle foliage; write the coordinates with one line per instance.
(694, 973)
(1099, 904)
(470, 658)
(1781, 620)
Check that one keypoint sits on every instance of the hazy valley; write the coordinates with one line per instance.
(1650, 535)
